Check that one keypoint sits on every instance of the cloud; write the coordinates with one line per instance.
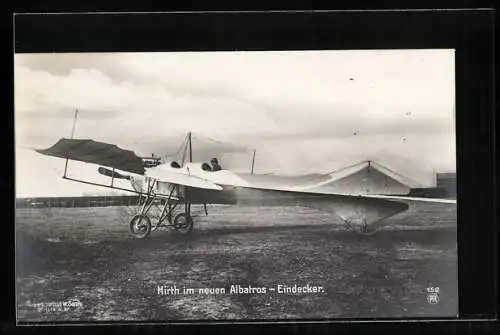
(303, 111)
(125, 110)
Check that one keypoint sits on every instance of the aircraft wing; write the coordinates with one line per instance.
(91, 151)
(110, 155)
(416, 199)
(181, 178)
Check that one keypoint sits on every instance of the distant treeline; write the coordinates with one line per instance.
(434, 192)
(86, 201)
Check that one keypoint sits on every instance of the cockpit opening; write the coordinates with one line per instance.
(206, 167)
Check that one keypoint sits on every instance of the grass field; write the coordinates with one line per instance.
(89, 254)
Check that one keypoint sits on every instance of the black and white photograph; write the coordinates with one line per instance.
(235, 185)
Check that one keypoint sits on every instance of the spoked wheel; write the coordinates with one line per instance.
(140, 226)
(183, 223)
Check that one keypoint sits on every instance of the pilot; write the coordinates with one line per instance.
(215, 164)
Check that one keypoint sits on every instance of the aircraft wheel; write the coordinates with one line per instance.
(367, 231)
(183, 223)
(140, 226)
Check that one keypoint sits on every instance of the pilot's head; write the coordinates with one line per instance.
(214, 161)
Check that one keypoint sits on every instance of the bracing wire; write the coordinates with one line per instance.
(184, 152)
(200, 137)
(182, 146)
(346, 167)
(408, 179)
(176, 153)
(208, 139)
(413, 181)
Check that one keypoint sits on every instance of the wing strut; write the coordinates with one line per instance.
(190, 148)
(253, 161)
(72, 136)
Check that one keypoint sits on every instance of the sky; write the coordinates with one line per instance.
(302, 111)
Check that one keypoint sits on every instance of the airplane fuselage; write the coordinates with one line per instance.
(271, 190)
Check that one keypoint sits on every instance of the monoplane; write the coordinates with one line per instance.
(178, 185)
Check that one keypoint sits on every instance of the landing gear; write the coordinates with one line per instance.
(183, 222)
(140, 225)
(364, 228)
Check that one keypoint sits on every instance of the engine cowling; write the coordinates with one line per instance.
(149, 162)
(112, 174)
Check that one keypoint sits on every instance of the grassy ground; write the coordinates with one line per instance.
(88, 254)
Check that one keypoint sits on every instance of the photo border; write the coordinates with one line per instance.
(469, 32)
